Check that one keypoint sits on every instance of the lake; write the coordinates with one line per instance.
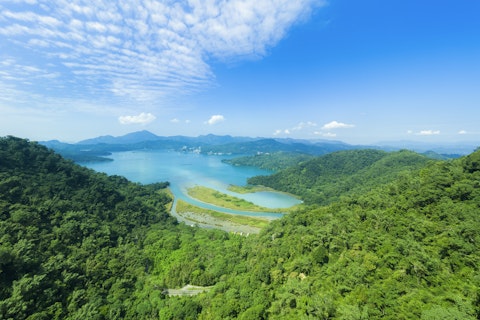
(184, 170)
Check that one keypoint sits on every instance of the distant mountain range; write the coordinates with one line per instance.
(96, 149)
(452, 148)
(146, 136)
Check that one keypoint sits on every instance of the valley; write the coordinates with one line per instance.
(396, 238)
(239, 160)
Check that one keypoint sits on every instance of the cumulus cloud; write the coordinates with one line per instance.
(176, 120)
(215, 119)
(299, 127)
(303, 125)
(336, 125)
(144, 50)
(142, 118)
(279, 132)
(462, 132)
(429, 132)
(326, 134)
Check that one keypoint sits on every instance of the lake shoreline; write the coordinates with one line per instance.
(206, 221)
(219, 199)
(184, 169)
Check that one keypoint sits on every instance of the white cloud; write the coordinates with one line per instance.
(303, 125)
(326, 134)
(176, 120)
(462, 132)
(429, 132)
(142, 118)
(336, 125)
(248, 27)
(144, 50)
(284, 131)
(215, 119)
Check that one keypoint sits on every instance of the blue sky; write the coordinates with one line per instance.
(356, 71)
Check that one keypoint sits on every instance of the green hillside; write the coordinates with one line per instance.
(271, 161)
(75, 244)
(325, 179)
(407, 250)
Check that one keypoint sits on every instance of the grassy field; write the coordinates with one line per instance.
(226, 201)
(184, 207)
(248, 189)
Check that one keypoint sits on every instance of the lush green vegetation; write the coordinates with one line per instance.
(249, 189)
(75, 244)
(271, 161)
(223, 200)
(273, 146)
(327, 178)
(404, 250)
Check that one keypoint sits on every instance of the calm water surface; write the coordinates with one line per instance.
(184, 170)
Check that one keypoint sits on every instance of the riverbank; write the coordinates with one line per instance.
(209, 219)
(219, 199)
(249, 189)
(233, 214)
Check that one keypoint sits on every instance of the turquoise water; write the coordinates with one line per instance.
(184, 170)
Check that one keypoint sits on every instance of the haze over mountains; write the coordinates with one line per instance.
(94, 148)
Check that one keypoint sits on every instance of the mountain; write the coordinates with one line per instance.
(270, 161)
(211, 139)
(68, 235)
(455, 148)
(97, 148)
(78, 153)
(146, 136)
(75, 244)
(407, 249)
(325, 179)
(274, 145)
(130, 138)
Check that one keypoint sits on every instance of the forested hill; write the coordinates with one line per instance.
(325, 179)
(270, 161)
(405, 250)
(75, 244)
(65, 232)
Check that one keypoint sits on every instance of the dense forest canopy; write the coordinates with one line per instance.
(404, 250)
(325, 179)
(81, 245)
(75, 244)
(270, 161)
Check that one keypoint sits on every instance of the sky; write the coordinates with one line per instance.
(355, 71)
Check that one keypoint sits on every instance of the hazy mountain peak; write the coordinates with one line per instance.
(133, 137)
